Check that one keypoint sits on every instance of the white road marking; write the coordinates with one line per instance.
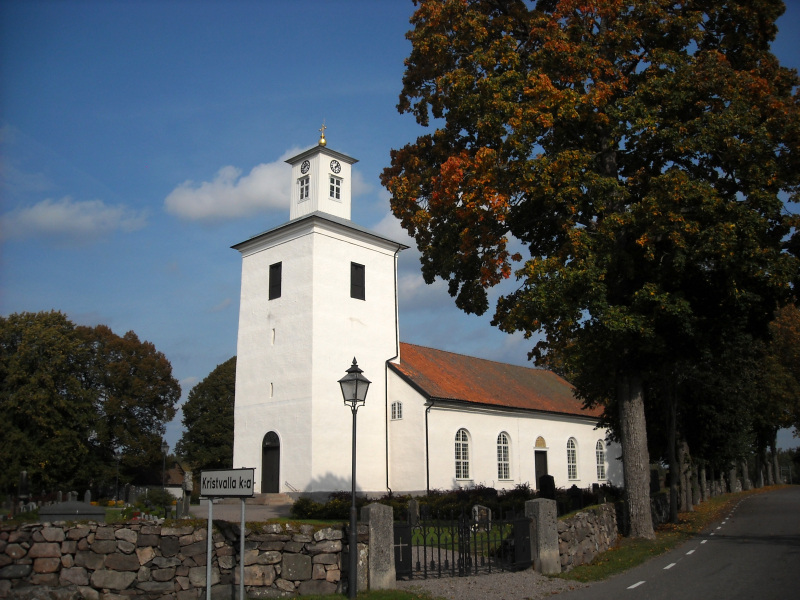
(690, 552)
(635, 585)
(669, 566)
(712, 534)
(704, 541)
(719, 527)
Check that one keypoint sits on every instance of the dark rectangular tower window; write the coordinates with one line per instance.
(357, 281)
(275, 281)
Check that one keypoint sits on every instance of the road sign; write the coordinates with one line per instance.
(228, 483)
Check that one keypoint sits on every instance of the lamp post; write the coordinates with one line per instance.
(354, 391)
(117, 455)
(164, 450)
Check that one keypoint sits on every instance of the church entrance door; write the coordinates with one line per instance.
(270, 464)
(540, 464)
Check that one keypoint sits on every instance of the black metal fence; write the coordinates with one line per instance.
(463, 544)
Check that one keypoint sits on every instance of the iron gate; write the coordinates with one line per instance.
(461, 545)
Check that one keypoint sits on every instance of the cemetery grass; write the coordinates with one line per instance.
(628, 553)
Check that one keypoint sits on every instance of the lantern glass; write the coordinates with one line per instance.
(354, 386)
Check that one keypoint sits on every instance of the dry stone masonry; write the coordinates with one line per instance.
(585, 535)
(98, 562)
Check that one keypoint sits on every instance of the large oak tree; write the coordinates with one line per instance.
(637, 149)
(70, 396)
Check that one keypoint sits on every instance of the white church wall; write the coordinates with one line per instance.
(484, 426)
(344, 328)
(406, 438)
(273, 389)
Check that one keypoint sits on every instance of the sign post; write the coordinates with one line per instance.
(228, 483)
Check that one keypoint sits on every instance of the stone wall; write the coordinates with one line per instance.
(585, 535)
(110, 562)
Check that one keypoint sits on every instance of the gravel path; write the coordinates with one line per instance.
(522, 585)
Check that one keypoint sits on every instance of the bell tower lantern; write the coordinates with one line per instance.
(321, 181)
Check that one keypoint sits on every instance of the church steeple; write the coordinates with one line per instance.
(321, 181)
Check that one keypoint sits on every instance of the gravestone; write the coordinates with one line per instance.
(87, 497)
(482, 516)
(22, 489)
(575, 497)
(59, 498)
(655, 481)
(413, 512)
(547, 487)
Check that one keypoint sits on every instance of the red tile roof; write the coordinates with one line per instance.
(445, 375)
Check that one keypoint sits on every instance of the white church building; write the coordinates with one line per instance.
(320, 290)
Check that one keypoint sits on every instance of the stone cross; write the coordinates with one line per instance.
(413, 512)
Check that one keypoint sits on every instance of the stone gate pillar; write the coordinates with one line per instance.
(544, 535)
(379, 519)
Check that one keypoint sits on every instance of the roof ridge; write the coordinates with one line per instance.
(533, 368)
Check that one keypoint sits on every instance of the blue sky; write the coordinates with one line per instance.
(140, 140)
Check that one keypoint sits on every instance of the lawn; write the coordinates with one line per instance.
(628, 553)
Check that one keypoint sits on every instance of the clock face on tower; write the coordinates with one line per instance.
(335, 166)
(305, 167)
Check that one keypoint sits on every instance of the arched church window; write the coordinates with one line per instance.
(462, 454)
(572, 459)
(540, 443)
(503, 470)
(600, 452)
(397, 411)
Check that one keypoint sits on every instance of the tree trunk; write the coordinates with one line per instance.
(703, 483)
(746, 484)
(681, 479)
(673, 461)
(759, 470)
(636, 460)
(770, 480)
(696, 499)
(732, 477)
(776, 465)
(687, 476)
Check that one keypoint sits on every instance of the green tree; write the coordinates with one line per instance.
(136, 398)
(207, 441)
(637, 149)
(72, 395)
(46, 400)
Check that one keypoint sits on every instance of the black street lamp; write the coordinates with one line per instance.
(117, 455)
(164, 450)
(354, 390)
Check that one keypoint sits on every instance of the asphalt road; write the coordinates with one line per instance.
(233, 512)
(753, 553)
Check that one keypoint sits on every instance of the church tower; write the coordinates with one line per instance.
(316, 292)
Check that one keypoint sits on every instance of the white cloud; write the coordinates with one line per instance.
(229, 195)
(66, 220)
(222, 305)
(360, 187)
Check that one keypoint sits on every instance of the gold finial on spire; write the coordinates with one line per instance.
(322, 129)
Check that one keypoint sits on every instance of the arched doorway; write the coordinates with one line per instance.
(270, 464)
